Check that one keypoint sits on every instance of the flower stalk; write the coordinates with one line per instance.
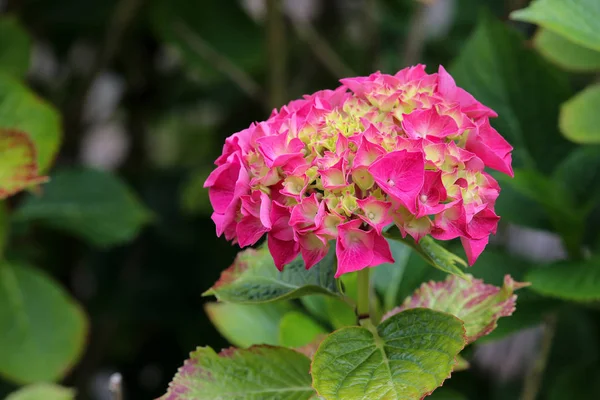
(364, 290)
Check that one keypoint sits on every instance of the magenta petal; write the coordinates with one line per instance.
(367, 152)
(474, 247)
(491, 147)
(265, 210)
(249, 230)
(483, 224)
(313, 249)
(354, 248)
(381, 251)
(282, 251)
(280, 223)
(222, 188)
(400, 174)
(423, 123)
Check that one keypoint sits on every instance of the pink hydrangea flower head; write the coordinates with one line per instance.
(340, 165)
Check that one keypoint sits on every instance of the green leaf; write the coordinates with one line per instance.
(43, 391)
(297, 329)
(253, 278)
(257, 373)
(557, 202)
(18, 165)
(431, 252)
(498, 69)
(40, 322)
(520, 209)
(579, 117)
(387, 277)
(475, 303)
(202, 35)
(23, 111)
(15, 47)
(92, 204)
(565, 53)
(542, 189)
(405, 357)
(340, 313)
(579, 174)
(333, 311)
(244, 325)
(568, 280)
(577, 20)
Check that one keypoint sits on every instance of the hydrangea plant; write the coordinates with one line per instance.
(336, 181)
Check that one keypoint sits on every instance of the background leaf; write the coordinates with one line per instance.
(257, 373)
(184, 26)
(297, 329)
(43, 391)
(92, 204)
(253, 278)
(577, 20)
(15, 47)
(387, 277)
(566, 54)
(22, 110)
(407, 357)
(569, 280)
(244, 325)
(333, 311)
(500, 71)
(579, 119)
(42, 330)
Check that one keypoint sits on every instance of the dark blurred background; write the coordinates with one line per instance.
(150, 89)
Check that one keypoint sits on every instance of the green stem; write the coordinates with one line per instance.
(362, 308)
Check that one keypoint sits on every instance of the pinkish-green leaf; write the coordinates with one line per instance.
(18, 164)
(256, 373)
(477, 304)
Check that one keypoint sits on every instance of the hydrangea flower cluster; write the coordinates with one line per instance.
(407, 149)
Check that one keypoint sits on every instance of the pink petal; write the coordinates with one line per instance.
(335, 176)
(280, 222)
(451, 223)
(491, 147)
(381, 251)
(303, 215)
(283, 251)
(249, 230)
(483, 224)
(375, 213)
(354, 248)
(448, 89)
(277, 150)
(422, 123)
(367, 152)
(400, 174)
(432, 195)
(474, 247)
(313, 248)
